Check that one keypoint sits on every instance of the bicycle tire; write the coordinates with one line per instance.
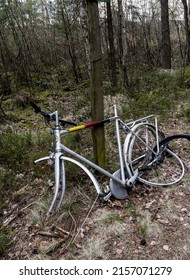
(166, 141)
(170, 138)
(154, 169)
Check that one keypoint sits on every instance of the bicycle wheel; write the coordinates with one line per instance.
(145, 141)
(156, 167)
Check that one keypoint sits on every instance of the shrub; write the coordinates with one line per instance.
(5, 239)
(15, 147)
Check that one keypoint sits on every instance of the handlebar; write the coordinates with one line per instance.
(49, 117)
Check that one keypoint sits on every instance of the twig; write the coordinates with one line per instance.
(54, 247)
(11, 219)
(27, 206)
(8, 221)
(63, 231)
(49, 234)
(74, 222)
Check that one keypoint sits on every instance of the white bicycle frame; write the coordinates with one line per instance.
(127, 178)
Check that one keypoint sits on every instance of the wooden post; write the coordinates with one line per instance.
(97, 103)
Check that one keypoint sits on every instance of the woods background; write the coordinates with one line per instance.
(42, 40)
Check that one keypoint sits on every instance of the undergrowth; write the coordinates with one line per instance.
(5, 238)
(158, 93)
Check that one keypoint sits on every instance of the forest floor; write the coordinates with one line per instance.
(153, 223)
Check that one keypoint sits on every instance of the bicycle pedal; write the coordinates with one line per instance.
(105, 189)
(105, 198)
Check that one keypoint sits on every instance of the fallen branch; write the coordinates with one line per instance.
(12, 218)
(48, 234)
(63, 231)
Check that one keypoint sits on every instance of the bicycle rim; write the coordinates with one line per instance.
(167, 173)
(145, 140)
(164, 169)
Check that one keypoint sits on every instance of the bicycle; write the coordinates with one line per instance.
(145, 149)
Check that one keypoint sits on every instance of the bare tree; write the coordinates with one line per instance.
(122, 42)
(111, 54)
(165, 29)
(187, 30)
(84, 24)
(69, 35)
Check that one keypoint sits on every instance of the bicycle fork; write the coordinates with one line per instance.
(59, 178)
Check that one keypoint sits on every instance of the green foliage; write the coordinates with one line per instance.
(15, 148)
(7, 180)
(5, 239)
(187, 112)
(19, 149)
(143, 228)
(156, 93)
(183, 77)
(3, 14)
(17, 154)
(111, 218)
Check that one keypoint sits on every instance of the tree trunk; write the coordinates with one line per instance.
(111, 54)
(97, 106)
(122, 43)
(84, 23)
(165, 29)
(120, 36)
(187, 31)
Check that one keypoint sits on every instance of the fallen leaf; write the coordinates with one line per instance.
(117, 203)
(184, 210)
(164, 222)
(166, 247)
(44, 245)
(148, 205)
(180, 193)
(20, 176)
(119, 251)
